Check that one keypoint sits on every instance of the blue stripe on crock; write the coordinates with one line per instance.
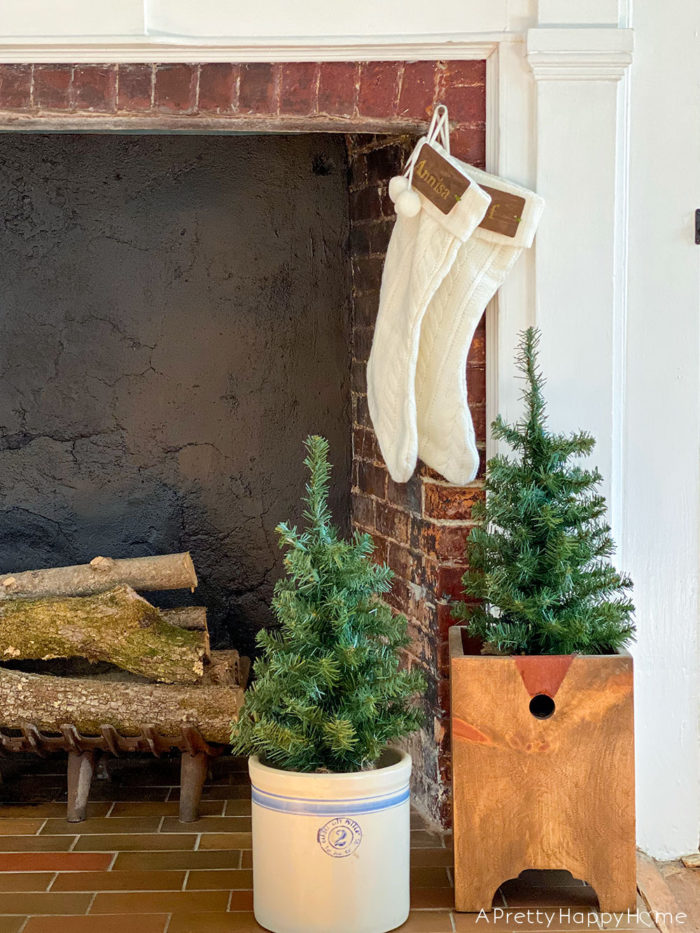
(305, 806)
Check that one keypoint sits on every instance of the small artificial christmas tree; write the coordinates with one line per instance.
(328, 694)
(538, 558)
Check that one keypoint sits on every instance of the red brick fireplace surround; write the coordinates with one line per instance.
(420, 527)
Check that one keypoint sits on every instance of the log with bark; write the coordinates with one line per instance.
(160, 572)
(118, 626)
(86, 703)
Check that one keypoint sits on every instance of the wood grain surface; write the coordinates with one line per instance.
(555, 793)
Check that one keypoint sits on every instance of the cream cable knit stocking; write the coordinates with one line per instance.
(420, 254)
(445, 432)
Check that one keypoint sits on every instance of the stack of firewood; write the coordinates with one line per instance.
(163, 673)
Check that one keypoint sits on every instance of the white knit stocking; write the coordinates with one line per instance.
(421, 253)
(445, 431)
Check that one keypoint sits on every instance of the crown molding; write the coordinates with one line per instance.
(152, 49)
(597, 54)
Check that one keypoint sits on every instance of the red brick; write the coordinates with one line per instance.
(299, 87)
(418, 90)
(52, 86)
(258, 88)
(451, 502)
(406, 495)
(466, 104)
(379, 234)
(469, 144)
(218, 87)
(372, 451)
(135, 88)
(55, 861)
(381, 545)
(384, 161)
(367, 273)
(463, 73)
(444, 696)
(378, 89)
(358, 171)
(429, 472)
(365, 308)
(477, 350)
(358, 376)
(362, 342)
(360, 410)
(445, 542)
(400, 595)
(478, 413)
(371, 479)
(175, 88)
(399, 559)
(449, 582)
(337, 88)
(360, 244)
(358, 443)
(445, 620)
(15, 87)
(422, 646)
(365, 204)
(392, 522)
(476, 384)
(363, 510)
(366, 446)
(387, 204)
(95, 88)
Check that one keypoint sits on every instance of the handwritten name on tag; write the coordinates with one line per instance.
(504, 213)
(437, 180)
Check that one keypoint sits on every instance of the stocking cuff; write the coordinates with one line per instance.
(468, 213)
(531, 212)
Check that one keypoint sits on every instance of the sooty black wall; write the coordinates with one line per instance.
(174, 320)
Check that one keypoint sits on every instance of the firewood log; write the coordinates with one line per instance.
(160, 572)
(50, 702)
(118, 626)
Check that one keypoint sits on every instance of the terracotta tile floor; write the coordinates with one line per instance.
(132, 866)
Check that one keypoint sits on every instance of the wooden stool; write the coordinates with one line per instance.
(542, 771)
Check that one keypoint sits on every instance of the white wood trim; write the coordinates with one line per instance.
(429, 48)
(598, 54)
(493, 136)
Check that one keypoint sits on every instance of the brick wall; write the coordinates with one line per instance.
(419, 527)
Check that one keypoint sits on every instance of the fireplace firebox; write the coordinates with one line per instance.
(192, 260)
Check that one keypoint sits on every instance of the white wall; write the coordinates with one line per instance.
(661, 517)
(614, 279)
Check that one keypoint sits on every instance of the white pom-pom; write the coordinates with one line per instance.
(408, 204)
(397, 185)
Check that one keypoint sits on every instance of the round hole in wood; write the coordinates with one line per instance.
(542, 706)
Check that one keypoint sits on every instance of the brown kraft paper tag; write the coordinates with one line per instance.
(504, 213)
(441, 183)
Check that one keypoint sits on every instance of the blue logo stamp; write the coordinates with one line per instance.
(340, 837)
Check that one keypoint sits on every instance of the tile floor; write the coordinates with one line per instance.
(132, 865)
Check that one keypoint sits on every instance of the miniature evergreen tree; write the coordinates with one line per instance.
(538, 558)
(328, 694)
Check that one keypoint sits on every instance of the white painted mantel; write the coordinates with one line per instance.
(599, 111)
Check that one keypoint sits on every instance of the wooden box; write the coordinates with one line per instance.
(543, 771)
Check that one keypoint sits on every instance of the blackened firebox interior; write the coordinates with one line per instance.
(174, 320)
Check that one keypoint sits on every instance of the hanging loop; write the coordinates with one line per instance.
(439, 127)
(401, 187)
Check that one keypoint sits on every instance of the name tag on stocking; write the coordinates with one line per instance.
(441, 183)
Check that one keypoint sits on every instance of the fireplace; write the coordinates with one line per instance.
(191, 275)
